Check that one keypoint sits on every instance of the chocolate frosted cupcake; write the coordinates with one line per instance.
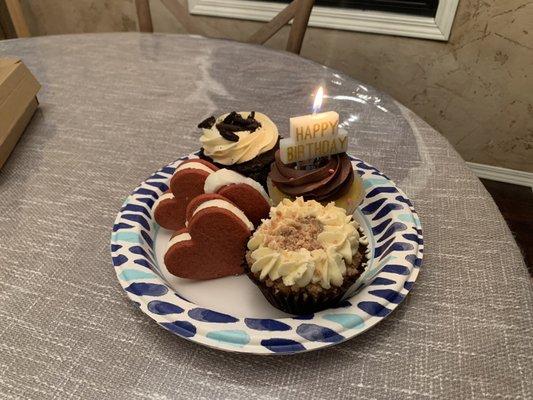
(306, 256)
(328, 179)
(242, 141)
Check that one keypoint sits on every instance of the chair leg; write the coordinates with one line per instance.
(17, 18)
(299, 26)
(144, 16)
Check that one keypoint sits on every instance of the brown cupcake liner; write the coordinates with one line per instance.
(303, 302)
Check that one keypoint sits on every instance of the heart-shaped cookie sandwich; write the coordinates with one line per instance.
(244, 192)
(186, 183)
(166, 211)
(213, 244)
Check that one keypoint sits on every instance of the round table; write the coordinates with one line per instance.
(116, 107)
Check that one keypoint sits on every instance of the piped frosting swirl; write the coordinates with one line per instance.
(238, 146)
(304, 242)
(327, 181)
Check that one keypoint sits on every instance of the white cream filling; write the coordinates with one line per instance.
(182, 237)
(227, 206)
(224, 177)
(194, 165)
(165, 196)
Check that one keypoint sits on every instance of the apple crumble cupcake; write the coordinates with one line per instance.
(306, 256)
(242, 141)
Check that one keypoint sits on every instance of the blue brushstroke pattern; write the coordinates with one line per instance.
(395, 227)
(413, 259)
(146, 200)
(119, 260)
(147, 192)
(388, 294)
(163, 308)
(147, 289)
(263, 324)
(317, 333)
(376, 230)
(234, 337)
(205, 315)
(280, 345)
(136, 208)
(168, 170)
(181, 328)
(133, 275)
(384, 189)
(378, 251)
(115, 247)
(347, 321)
(398, 246)
(144, 263)
(387, 208)
(372, 207)
(158, 176)
(121, 225)
(383, 281)
(137, 218)
(160, 185)
(147, 238)
(373, 308)
(396, 269)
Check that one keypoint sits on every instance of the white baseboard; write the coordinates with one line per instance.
(502, 174)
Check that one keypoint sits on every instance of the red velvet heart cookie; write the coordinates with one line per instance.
(244, 192)
(166, 211)
(213, 244)
(186, 183)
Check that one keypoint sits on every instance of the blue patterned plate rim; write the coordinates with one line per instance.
(390, 221)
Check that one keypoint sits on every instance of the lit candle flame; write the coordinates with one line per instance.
(318, 100)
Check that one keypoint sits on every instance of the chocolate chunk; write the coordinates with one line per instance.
(226, 134)
(207, 123)
(234, 122)
(230, 117)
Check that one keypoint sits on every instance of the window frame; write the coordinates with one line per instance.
(387, 23)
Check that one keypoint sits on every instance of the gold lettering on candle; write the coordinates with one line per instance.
(316, 129)
(324, 128)
(299, 133)
(343, 142)
(333, 147)
(290, 154)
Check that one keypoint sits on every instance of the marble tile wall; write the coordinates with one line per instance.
(476, 89)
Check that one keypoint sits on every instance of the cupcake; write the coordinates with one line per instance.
(327, 179)
(306, 256)
(242, 141)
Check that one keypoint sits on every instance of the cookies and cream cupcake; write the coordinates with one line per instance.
(306, 256)
(242, 141)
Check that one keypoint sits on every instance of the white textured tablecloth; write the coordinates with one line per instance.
(115, 108)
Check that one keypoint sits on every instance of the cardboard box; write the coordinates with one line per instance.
(18, 102)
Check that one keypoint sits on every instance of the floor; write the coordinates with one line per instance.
(516, 204)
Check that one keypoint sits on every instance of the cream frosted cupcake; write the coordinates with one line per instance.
(306, 256)
(242, 141)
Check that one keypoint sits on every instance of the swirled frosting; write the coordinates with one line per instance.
(249, 145)
(327, 181)
(304, 242)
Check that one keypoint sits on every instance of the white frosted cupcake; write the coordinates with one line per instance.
(242, 141)
(306, 256)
